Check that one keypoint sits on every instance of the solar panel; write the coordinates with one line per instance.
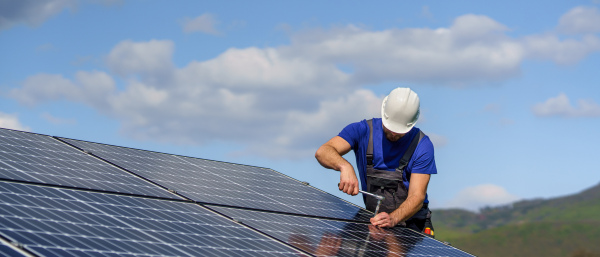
(43, 159)
(64, 222)
(65, 197)
(226, 183)
(323, 237)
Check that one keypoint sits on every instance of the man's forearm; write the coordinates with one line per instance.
(407, 209)
(329, 158)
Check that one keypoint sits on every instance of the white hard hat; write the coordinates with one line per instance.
(400, 110)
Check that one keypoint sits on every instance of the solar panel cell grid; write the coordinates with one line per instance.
(227, 184)
(65, 222)
(42, 159)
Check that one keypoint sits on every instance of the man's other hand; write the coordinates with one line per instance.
(383, 220)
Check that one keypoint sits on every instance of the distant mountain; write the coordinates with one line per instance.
(563, 226)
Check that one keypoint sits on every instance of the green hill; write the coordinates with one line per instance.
(564, 226)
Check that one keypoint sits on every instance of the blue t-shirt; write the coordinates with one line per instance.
(387, 154)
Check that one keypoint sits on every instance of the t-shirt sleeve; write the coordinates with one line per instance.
(423, 158)
(352, 134)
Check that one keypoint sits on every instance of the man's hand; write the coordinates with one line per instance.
(348, 181)
(383, 220)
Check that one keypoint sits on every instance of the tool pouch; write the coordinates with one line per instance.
(388, 184)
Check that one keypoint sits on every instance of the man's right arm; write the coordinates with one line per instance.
(329, 156)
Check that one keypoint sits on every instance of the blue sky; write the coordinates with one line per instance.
(509, 90)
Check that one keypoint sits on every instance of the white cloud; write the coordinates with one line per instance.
(285, 101)
(472, 50)
(267, 68)
(204, 23)
(268, 100)
(561, 106)
(43, 87)
(580, 20)
(31, 12)
(475, 197)
(567, 51)
(11, 121)
(150, 59)
(308, 130)
(88, 87)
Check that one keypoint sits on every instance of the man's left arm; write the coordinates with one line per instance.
(412, 204)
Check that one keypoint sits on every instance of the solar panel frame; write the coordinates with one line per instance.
(9, 250)
(228, 184)
(37, 158)
(64, 222)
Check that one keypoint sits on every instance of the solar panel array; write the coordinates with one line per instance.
(226, 184)
(66, 197)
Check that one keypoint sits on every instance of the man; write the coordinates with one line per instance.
(391, 167)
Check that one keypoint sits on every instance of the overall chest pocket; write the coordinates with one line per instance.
(388, 184)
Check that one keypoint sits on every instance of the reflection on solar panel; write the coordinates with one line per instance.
(56, 200)
(43, 159)
(227, 184)
(341, 238)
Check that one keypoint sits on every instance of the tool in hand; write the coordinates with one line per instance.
(378, 197)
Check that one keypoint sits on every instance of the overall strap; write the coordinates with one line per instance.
(370, 144)
(409, 152)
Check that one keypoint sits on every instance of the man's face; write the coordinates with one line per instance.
(392, 136)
